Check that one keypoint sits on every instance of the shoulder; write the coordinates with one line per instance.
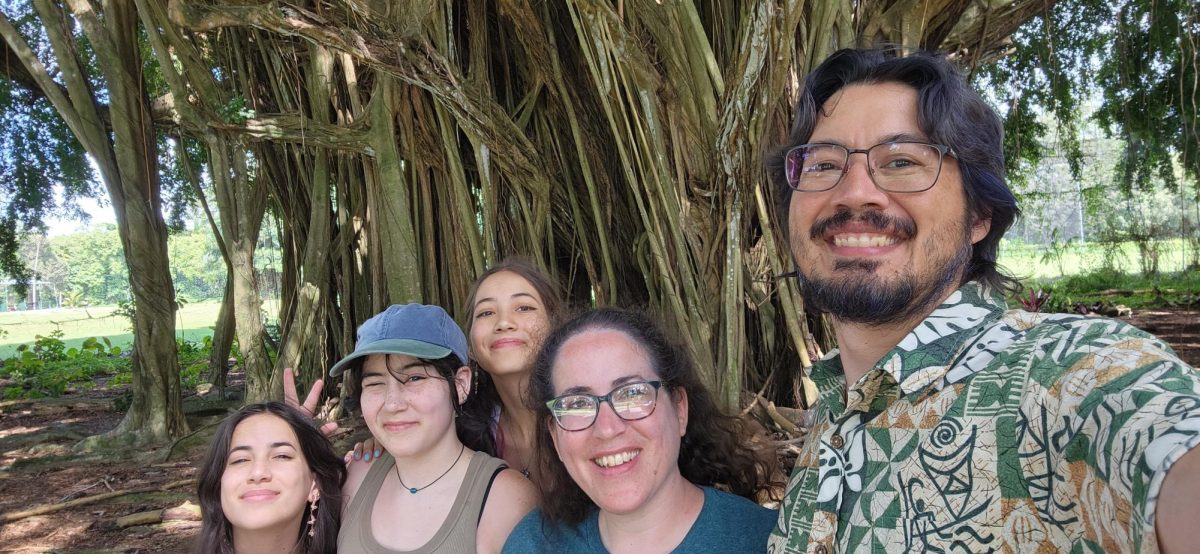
(729, 523)
(509, 498)
(535, 534)
(1056, 346)
(732, 506)
(511, 485)
(356, 473)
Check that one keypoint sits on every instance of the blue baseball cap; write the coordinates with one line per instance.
(416, 330)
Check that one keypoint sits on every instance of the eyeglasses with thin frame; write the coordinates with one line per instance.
(899, 166)
(631, 402)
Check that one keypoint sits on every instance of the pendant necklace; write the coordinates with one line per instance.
(415, 490)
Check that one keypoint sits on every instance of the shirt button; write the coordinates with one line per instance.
(820, 549)
(837, 441)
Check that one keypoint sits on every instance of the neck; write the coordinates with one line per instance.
(421, 469)
(517, 420)
(511, 389)
(282, 538)
(862, 345)
(658, 526)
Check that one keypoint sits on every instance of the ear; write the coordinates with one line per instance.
(681, 408)
(314, 494)
(980, 228)
(462, 380)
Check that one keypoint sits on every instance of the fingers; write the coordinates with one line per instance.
(366, 451)
(314, 397)
(289, 388)
(329, 428)
(292, 398)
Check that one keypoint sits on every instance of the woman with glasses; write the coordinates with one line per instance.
(433, 489)
(629, 446)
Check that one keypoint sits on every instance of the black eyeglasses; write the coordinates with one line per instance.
(631, 402)
(893, 166)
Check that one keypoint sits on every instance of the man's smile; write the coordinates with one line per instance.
(863, 240)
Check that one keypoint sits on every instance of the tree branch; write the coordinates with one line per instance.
(413, 61)
(51, 508)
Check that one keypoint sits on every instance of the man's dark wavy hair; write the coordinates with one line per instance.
(949, 112)
(216, 533)
(714, 449)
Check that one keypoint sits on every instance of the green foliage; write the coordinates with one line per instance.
(1057, 248)
(1178, 289)
(1141, 55)
(48, 368)
(193, 361)
(88, 268)
(38, 153)
(236, 111)
(180, 165)
(128, 310)
(96, 264)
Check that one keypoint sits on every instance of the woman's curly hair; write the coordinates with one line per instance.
(715, 448)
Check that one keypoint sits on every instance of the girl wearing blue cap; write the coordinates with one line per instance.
(433, 490)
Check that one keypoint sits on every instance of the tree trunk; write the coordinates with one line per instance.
(156, 411)
(222, 340)
(127, 158)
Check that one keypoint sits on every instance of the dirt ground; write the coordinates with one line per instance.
(38, 466)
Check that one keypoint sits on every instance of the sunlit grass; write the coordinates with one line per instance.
(1035, 262)
(193, 322)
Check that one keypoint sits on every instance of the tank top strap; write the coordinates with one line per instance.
(480, 482)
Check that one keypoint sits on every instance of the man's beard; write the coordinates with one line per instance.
(855, 294)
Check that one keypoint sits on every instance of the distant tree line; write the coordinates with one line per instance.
(87, 268)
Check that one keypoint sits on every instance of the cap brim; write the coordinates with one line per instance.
(408, 347)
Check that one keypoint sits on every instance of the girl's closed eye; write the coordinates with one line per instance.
(483, 313)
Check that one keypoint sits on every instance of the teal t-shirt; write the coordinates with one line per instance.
(727, 523)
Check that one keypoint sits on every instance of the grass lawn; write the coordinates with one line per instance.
(1030, 262)
(193, 322)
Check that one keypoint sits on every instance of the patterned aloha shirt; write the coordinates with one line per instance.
(991, 430)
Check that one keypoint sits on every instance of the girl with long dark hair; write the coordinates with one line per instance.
(270, 483)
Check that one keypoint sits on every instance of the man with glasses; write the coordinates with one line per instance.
(946, 422)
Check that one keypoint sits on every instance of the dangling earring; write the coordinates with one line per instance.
(312, 517)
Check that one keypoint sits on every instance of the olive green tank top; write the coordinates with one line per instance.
(457, 533)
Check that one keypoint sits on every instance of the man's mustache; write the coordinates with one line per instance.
(902, 228)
